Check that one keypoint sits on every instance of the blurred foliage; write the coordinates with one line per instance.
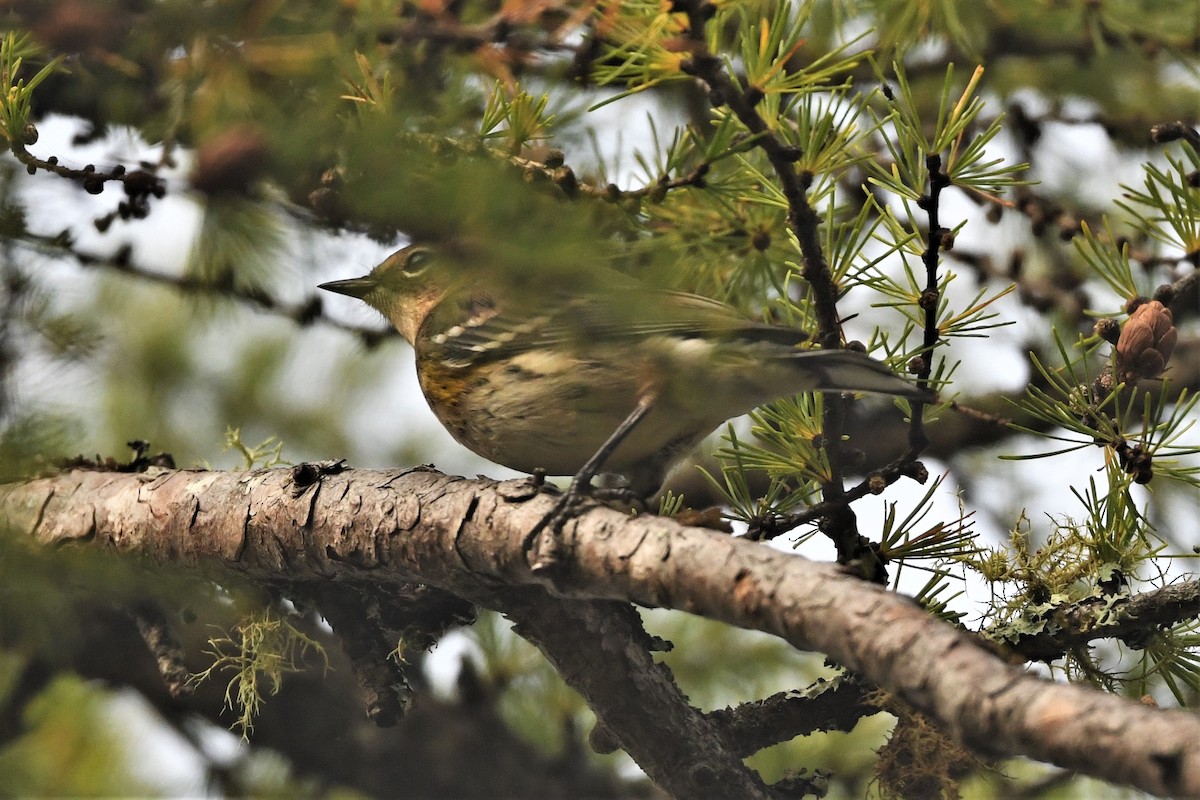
(531, 696)
(67, 724)
(281, 144)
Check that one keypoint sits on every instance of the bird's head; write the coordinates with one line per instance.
(405, 287)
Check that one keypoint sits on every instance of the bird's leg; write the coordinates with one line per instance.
(546, 534)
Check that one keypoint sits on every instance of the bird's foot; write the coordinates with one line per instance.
(544, 544)
(621, 498)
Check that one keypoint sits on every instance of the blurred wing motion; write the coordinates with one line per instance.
(687, 331)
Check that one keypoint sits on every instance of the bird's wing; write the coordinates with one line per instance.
(475, 328)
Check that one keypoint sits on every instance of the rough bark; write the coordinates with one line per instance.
(465, 537)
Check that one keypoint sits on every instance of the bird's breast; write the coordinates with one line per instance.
(552, 410)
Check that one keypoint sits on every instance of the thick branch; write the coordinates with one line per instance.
(465, 537)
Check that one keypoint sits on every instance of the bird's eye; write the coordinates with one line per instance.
(417, 262)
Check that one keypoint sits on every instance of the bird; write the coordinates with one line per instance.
(604, 375)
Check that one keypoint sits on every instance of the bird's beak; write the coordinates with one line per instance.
(354, 287)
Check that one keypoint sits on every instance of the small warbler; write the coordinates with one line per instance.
(621, 379)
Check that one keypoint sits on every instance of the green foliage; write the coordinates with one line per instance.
(768, 47)
(638, 54)
(1167, 210)
(974, 320)
(943, 541)
(521, 119)
(375, 92)
(1107, 261)
(781, 496)
(670, 504)
(1156, 425)
(1171, 658)
(954, 142)
(905, 23)
(17, 98)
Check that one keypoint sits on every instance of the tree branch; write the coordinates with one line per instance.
(824, 706)
(465, 537)
(1134, 618)
(601, 650)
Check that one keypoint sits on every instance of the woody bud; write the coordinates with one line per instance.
(1146, 342)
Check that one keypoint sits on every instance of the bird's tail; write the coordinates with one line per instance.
(852, 371)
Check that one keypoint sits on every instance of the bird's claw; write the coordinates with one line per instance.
(544, 544)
